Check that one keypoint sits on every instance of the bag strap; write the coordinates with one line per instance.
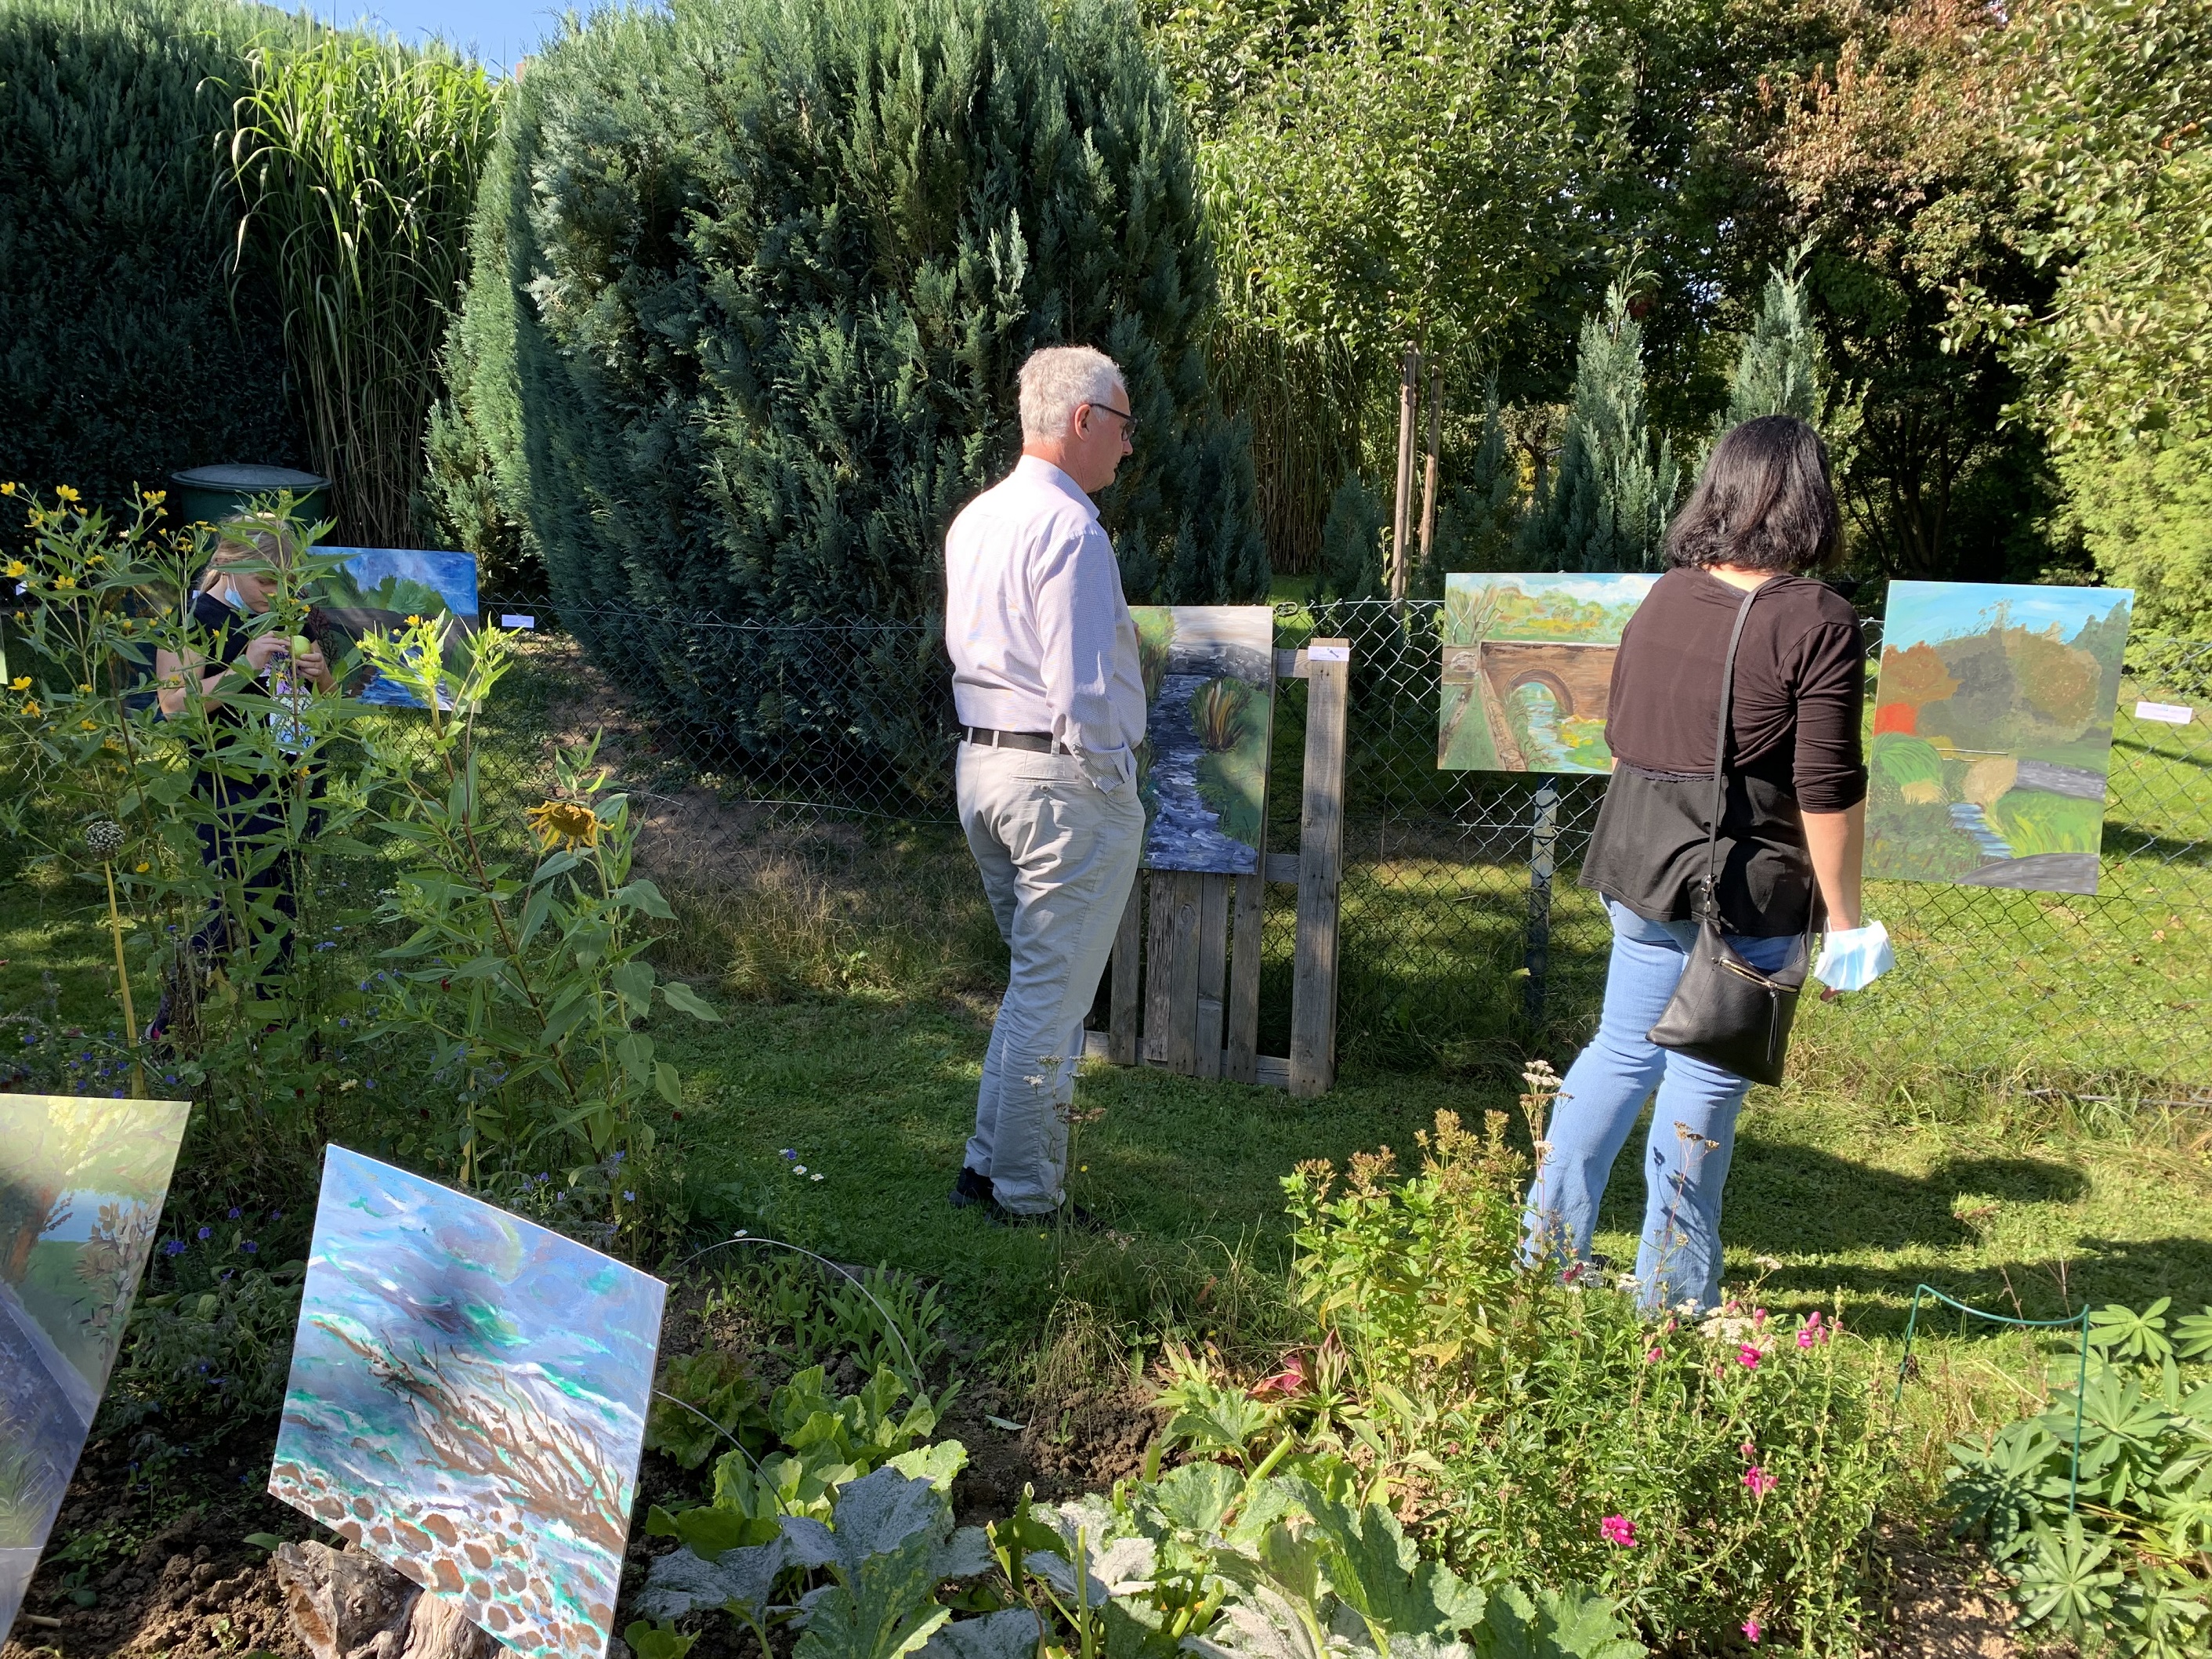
(1712, 902)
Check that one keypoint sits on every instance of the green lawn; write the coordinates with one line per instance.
(859, 969)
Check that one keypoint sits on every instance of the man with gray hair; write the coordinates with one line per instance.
(1051, 702)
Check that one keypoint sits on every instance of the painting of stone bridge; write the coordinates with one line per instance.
(1528, 668)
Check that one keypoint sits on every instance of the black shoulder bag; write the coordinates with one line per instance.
(1725, 1011)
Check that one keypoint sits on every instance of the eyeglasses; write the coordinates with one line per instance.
(1129, 421)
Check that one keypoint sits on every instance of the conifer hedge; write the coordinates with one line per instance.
(752, 280)
(124, 352)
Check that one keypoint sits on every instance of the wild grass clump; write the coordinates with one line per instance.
(357, 158)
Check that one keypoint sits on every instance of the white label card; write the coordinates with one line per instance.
(511, 620)
(1328, 653)
(2172, 714)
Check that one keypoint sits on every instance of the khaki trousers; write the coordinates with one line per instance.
(1057, 856)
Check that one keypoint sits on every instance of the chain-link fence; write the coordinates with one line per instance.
(1453, 953)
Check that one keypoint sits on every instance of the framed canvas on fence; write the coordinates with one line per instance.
(1210, 690)
(1993, 734)
(1528, 669)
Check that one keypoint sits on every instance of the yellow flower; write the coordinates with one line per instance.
(20, 683)
(563, 823)
(140, 868)
(414, 622)
(96, 558)
(65, 492)
(155, 497)
(84, 688)
(87, 725)
(30, 711)
(64, 581)
(17, 567)
(6, 489)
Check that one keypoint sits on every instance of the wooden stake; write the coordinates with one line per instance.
(1408, 395)
(1429, 476)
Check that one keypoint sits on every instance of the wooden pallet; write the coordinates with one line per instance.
(1185, 985)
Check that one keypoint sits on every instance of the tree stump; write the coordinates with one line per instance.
(350, 1604)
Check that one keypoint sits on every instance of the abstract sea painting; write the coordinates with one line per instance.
(1210, 684)
(378, 588)
(82, 1186)
(467, 1401)
(1528, 670)
(1993, 734)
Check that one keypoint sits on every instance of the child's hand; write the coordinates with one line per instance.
(310, 666)
(263, 649)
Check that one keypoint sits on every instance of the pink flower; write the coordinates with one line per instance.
(1747, 1451)
(1747, 1357)
(1760, 1483)
(1805, 1339)
(1652, 1357)
(1757, 1318)
(1618, 1529)
(1812, 1331)
(1752, 1630)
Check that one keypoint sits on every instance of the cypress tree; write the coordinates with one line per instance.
(1351, 565)
(1781, 369)
(1612, 493)
(753, 279)
(126, 349)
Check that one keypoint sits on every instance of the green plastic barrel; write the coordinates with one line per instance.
(213, 494)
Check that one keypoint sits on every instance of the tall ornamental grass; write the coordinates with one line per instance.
(358, 159)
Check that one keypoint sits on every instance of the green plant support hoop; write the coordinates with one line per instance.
(2080, 1378)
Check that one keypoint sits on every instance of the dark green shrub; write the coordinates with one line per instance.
(125, 352)
(752, 282)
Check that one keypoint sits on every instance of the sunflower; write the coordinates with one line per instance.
(563, 823)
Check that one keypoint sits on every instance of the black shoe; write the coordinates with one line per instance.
(970, 1189)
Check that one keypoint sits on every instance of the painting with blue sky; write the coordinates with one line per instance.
(82, 1186)
(467, 1402)
(374, 591)
(1528, 669)
(1993, 734)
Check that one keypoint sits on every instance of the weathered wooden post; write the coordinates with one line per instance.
(1321, 869)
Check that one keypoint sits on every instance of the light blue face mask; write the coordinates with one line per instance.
(1852, 958)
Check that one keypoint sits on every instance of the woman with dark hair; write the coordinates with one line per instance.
(1762, 515)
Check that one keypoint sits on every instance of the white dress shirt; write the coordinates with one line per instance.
(1039, 633)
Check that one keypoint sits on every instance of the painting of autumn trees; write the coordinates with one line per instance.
(1993, 733)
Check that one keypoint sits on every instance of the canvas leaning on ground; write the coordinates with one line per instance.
(1210, 695)
(1528, 670)
(375, 590)
(1993, 734)
(467, 1402)
(82, 1186)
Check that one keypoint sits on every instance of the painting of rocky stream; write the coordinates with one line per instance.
(1210, 686)
(467, 1400)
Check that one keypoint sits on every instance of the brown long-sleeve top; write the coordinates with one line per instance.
(1793, 726)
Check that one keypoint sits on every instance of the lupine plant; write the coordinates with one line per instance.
(2112, 1543)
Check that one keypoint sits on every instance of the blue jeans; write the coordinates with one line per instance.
(1693, 1127)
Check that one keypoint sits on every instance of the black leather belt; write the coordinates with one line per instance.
(1039, 742)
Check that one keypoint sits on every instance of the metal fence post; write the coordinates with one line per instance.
(1544, 835)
